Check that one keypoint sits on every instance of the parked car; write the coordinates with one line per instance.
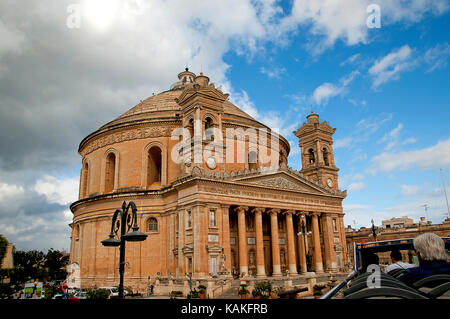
(80, 295)
(113, 292)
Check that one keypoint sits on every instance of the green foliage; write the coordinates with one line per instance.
(97, 294)
(6, 290)
(38, 265)
(263, 289)
(243, 290)
(201, 289)
(55, 263)
(49, 292)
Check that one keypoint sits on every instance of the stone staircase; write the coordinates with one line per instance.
(232, 292)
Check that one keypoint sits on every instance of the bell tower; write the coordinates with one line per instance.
(316, 144)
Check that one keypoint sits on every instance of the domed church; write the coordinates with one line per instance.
(213, 191)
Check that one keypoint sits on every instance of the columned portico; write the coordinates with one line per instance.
(260, 269)
(243, 260)
(328, 239)
(316, 239)
(226, 236)
(292, 264)
(301, 245)
(275, 242)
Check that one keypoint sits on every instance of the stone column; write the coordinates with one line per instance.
(343, 241)
(275, 244)
(328, 241)
(316, 239)
(260, 267)
(301, 246)
(226, 236)
(242, 230)
(290, 243)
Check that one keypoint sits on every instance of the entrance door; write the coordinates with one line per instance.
(268, 257)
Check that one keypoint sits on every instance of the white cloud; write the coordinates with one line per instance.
(342, 142)
(328, 90)
(9, 192)
(334, 20)
(431, 157)
(241, 100)
(410, 190)
(410, 140)
(437, 57)
(61, 191)
(392, 137)
(356, 186)
(273, 72)
(351, 59)
(391, 66)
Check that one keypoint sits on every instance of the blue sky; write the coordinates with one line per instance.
(385, 90)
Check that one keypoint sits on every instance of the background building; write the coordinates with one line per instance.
(210, 216)
(394, 228)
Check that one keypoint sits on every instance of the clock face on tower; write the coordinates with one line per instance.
(330, 182)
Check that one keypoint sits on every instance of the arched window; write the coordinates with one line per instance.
(191, 128)
(84, 180)
(209, 129)
(252, 160)
(110, 172)
(154, 166)
(312, 158)
(152, 225)
(325, 156)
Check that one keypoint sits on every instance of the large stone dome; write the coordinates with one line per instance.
(163, 107)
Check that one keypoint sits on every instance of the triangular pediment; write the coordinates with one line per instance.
(208, 92)
(284, 180)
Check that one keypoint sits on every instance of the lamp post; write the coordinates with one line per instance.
(305, 233)
(123, 221)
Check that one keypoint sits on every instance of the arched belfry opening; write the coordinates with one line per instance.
(154, 166)
(209, 129)
(326, 159)
(110, 172)
(312, 157)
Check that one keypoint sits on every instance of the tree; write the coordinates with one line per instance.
(3, 245)
(55, 264)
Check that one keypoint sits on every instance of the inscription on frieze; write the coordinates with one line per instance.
(247, 193)
(127, 136)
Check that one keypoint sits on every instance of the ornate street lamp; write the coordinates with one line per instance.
(124, 224)
(305, 233)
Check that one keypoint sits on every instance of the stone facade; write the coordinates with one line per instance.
(8, 260)
(205, 214)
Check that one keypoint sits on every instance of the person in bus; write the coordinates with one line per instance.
(396, 262)
(433, 260)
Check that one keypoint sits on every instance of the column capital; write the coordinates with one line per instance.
(274, 211)
(241, 208)
(289, 212)
(258, 209)
(315, 214)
